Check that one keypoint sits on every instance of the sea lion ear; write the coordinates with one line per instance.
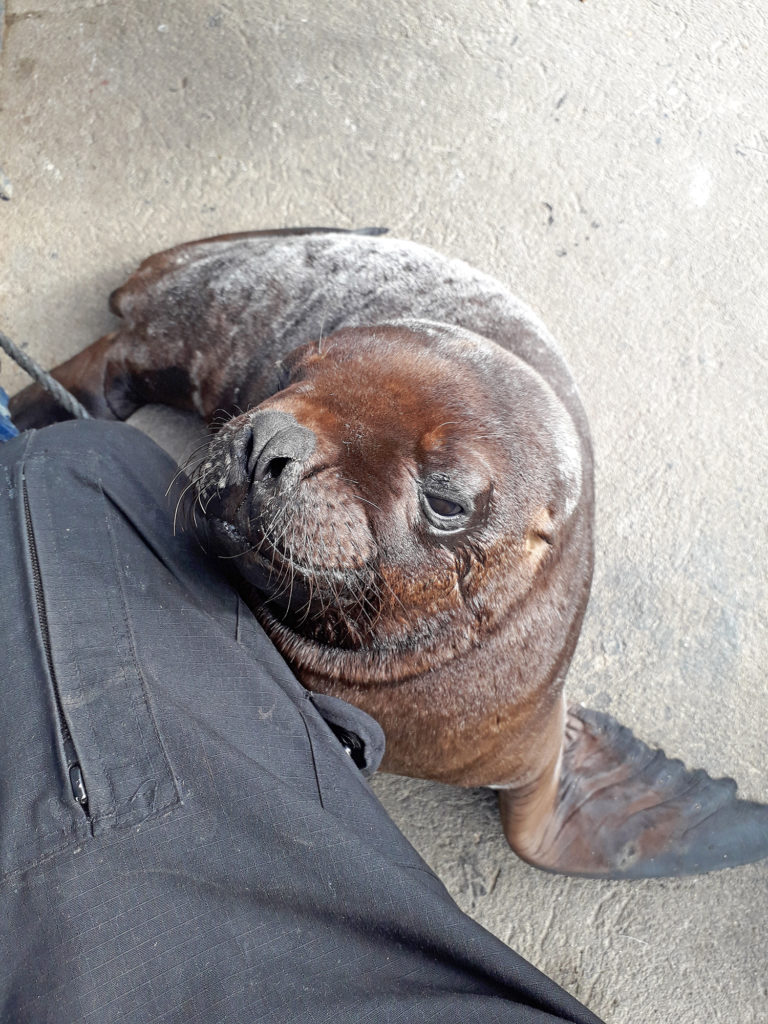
(540, 535)
(565, 451)
(626, 810)
(282, 375)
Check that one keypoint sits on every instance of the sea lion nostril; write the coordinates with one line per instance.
(275, 467)
(275, 441)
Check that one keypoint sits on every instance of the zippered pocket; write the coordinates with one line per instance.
(81, 751)
(81, 555)
(71, 765)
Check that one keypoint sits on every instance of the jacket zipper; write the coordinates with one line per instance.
(73, 768)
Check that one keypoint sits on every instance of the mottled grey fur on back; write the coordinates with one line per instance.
(285, 291)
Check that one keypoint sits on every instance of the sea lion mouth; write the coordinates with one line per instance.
(308, 599)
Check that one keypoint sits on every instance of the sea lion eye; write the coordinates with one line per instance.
(443, 507)
(445, 504)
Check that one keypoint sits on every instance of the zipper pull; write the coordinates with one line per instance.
(78, 786)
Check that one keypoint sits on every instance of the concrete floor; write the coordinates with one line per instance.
(609, 161)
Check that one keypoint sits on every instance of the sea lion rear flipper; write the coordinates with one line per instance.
(625, 810)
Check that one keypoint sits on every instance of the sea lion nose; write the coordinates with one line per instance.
(274, 441)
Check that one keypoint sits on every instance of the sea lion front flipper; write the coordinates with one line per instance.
(625, 810)
(83, 375)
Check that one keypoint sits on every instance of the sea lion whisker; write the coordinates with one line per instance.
(348, 622)
(203, 474)
(181, 470)
(308, 603)
(275, 541)
(237, 554)
(188, 465)
(364, 617)
(175, 477)
(209, 493)
(178, 503)
(387, 584)
(215, 493)
(205, 442)
(315, 590)
(286, 566)
(359, 497)
(219, 418)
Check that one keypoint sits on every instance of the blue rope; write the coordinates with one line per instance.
(7, 429)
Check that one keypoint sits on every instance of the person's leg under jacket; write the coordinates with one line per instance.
(182, 835)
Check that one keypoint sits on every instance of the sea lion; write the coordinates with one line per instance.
(401, 470)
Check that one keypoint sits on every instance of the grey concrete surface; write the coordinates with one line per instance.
(609, 161)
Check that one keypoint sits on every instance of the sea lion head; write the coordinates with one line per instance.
(395, 502)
